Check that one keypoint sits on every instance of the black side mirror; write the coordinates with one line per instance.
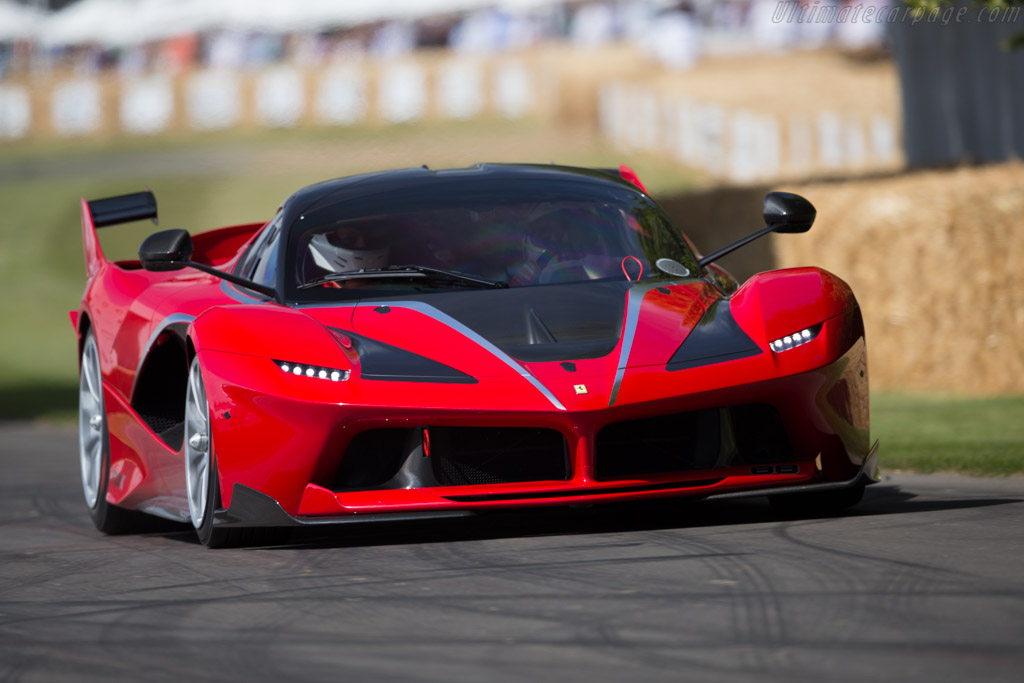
(172, 250)
(787, 212)
(166, 250)
(783, 212)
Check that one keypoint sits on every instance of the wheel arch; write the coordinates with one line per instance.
(84, 325)
(158, 396)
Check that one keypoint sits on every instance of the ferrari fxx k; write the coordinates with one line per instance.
(439, 343)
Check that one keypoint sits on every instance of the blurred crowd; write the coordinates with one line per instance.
(143, 36)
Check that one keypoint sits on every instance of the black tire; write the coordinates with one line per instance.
(209, 533)
(213, 537)
(92, 424)
(818, 503)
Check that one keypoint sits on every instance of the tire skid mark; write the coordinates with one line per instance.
(907, 587)
(190, 632)
(757, 616)
(604, 630)
(828, 578)
(783, 532)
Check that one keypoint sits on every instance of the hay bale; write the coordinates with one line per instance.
(935, 260)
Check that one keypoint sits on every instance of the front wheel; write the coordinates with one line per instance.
(202, 482)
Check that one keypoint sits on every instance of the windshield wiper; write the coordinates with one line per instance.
(410, 271)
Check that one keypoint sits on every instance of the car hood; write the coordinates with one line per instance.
(597, 328)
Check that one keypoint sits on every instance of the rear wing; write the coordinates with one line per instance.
(100, 213)
(124, 208)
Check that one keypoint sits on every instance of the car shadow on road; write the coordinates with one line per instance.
(891, 499)
(879, 500)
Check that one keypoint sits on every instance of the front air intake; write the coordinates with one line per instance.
(679, 442)
(463, 456)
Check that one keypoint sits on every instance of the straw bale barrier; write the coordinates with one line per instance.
(936, 259)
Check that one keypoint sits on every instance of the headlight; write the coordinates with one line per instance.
(791, 341)
(313, 371)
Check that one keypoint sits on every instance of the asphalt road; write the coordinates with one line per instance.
(924, 581)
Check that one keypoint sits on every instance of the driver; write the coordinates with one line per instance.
(555, 249)
(348, 248)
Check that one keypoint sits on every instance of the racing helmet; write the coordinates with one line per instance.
(348, 248)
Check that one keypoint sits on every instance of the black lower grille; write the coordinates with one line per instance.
(374, 458)
(159, 423)
(670, 443)
(463, 456)
(169, 429)
(760, 434)
(703, 439)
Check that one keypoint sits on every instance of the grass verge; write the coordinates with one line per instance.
(976, 436)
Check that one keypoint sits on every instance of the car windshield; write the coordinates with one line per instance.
(521, 232)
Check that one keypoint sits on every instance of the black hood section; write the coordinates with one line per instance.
(388, 363)
(716, 339)
(542, 323)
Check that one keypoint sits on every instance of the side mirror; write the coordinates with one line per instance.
(788, 213)
(172, 250)
(783, 212)
(166, 250)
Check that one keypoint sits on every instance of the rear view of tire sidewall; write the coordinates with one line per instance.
(94, 446)
(91, 438)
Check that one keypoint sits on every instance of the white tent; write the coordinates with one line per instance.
(128, 22)
(85, 22)
(18, 21)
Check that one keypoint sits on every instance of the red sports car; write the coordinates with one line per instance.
(438, 343)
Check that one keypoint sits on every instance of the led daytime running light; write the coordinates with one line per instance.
(314, 371)
(791, 341)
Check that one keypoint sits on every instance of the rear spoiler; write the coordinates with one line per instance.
(124, 208)
(100, 213)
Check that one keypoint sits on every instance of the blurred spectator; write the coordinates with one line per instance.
(592, 25)
(479, 33)
(178, 53)
(262, 48)
(88, 59)
(393, 39)
(674, 38)
(133, 61)
(226, 50)
(172, 35)
(308, 49)
(494, 30)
